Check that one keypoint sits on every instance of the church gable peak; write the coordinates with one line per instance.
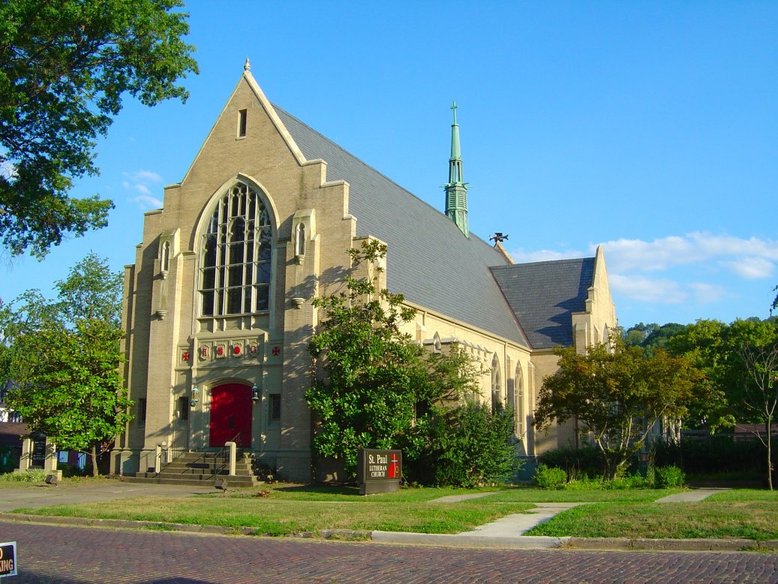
(246, 113)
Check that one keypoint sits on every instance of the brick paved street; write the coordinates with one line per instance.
(79, 555)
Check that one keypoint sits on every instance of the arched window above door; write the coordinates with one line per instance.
(235, 255)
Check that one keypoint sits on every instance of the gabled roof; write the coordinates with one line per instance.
(429, 260)
(543, 295)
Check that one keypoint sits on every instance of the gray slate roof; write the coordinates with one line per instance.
(544, 294)
(429, 260)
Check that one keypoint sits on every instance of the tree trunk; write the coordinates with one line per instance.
(94, 460)
(769, 427)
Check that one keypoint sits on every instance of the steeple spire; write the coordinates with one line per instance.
(456, 188)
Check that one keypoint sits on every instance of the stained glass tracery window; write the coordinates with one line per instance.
(235, 255)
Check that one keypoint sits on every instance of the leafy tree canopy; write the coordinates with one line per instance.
(376, 387)
(63, 359)
(64, 67)
(774, 305)
(619, 394)
(651, 335)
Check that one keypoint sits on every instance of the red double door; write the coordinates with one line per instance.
(231, 409)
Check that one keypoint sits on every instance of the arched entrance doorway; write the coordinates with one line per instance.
(231, 409)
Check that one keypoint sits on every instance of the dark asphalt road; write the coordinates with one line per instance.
(79, 555)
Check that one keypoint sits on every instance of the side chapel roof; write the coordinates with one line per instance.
(543, 295)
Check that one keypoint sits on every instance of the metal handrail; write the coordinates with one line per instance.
(214, 461)
(223, 455)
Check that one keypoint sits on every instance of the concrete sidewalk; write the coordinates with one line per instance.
(508, 531)
(693, 496)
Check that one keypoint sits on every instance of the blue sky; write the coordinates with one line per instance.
(650, 128)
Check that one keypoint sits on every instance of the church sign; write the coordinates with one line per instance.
(379, 471)
(8, 559)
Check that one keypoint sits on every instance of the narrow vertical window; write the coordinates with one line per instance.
(183, 408)
(497, 403)
(299, 240)
(275, 407)
(165, 257)
(520, 410)
(242, 116)
(141, 412)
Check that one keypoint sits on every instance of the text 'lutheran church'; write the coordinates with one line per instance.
(218, 312)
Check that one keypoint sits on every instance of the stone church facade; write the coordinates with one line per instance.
(217, 307)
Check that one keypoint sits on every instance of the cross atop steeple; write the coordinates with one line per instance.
(456, 188)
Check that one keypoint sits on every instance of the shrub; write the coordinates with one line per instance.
(651, 476)
(670, 476)
(585, 484)
(577, 462)
(550, 477)
(33, 475)
(630, 481)
(466, 446)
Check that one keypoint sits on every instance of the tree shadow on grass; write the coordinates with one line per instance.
(321, 489)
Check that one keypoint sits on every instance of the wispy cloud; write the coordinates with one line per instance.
(649, 289)
(646, 271)
(751, 268)
(544, 255)
(748, 258)
(141, 183)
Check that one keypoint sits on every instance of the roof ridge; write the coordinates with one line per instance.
(372, 169)
(541, 262)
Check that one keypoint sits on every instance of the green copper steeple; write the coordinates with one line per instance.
(456, 189)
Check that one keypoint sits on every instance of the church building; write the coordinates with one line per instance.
(218, 304)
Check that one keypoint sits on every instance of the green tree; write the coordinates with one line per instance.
(463, 446)
(64, 67)
(620, 395)
(651, 336)
(63, 358)
(373, 381)
(758, 392)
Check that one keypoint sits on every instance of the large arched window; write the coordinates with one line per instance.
(235, 255)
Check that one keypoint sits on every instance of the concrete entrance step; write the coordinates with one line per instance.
(200, 468)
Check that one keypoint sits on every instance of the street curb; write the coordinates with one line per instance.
(687, 545)
(468, 540)
(464, 540)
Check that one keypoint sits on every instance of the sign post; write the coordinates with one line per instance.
(8, 559)
(379, 471)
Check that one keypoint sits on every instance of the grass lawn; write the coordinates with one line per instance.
(290, 510)
(294, 509)
(741, 513)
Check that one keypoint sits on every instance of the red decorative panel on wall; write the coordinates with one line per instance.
(231, 409)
